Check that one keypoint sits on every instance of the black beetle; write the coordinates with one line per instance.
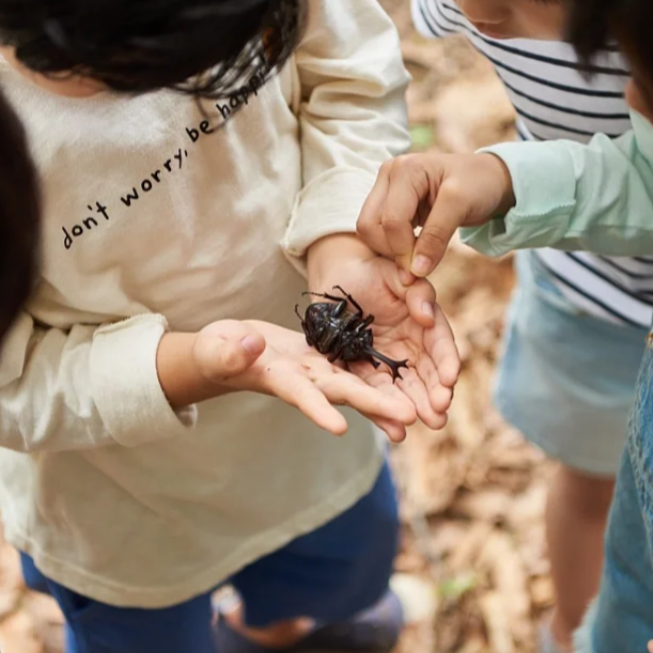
(336, 331)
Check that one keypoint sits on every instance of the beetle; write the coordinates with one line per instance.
(340, 333)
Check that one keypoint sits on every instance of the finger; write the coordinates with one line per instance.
(379, 398)
(441, 345)
(409, 184)
(396, 431)
(227, 348)
(419, 296)
(420, 299)
(369, 227)
(300, 392)
(414, 388)
(440, 396)
(314, 404)
(448, 213)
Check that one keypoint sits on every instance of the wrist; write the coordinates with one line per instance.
(330, 253)
(506, 199)
(179, 374)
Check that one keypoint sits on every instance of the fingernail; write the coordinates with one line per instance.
(421, 266)
(428, 309)
(405, 277)
(251, 345)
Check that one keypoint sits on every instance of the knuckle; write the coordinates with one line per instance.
(414, 164)
(393, 222)
(403, 165)
(433, 238)
(386, 167)
(365, 225)
(417, 168)
(453, 191)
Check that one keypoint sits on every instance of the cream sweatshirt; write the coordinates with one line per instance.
(159, 216)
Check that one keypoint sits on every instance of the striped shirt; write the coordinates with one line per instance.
(554, 100)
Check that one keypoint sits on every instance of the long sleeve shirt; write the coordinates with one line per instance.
(160, 214)
(596, 197)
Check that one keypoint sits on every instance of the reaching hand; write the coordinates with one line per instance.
(437, 192)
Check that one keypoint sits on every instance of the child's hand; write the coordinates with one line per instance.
(230, 356)
(408, 323)
(302, 377)
(438, 192)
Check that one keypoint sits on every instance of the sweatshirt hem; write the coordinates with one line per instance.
(101, 589)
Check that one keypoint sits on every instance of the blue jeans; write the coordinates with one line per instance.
(621, 619)
(330, 575)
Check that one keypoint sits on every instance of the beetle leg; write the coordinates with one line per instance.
(353, 302)
(351, 323)
(326, 295)
(298, 314)
(334, 355)
(364, 324)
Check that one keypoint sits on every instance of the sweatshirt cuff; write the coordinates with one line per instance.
(544, 183)
(328, 205)
(126, 385)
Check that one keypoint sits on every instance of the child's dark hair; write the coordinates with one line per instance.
(594, 25)
(20, 211)
(143, 45)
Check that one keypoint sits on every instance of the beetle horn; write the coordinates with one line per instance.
(394, 365)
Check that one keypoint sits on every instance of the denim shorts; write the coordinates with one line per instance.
(567, 379)
(621, 619)
(329, 574)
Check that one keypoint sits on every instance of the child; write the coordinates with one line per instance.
(19, 218)
(567, 306)
(164, 285)
(598, 198)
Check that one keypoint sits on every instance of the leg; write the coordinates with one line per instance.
(309, 340)
(365, 323)
(335, 355)
(325, 577)
(576, 515)
(324, 295)
(353, 302)
(620, 619)
(94, 627)
(567, 381)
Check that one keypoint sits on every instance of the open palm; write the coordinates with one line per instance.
(402, 331)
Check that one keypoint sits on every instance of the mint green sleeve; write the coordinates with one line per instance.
(596, 197)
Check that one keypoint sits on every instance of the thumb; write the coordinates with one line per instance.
(227, 348)
(419, 297)
(420, 300)
(448, 213)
